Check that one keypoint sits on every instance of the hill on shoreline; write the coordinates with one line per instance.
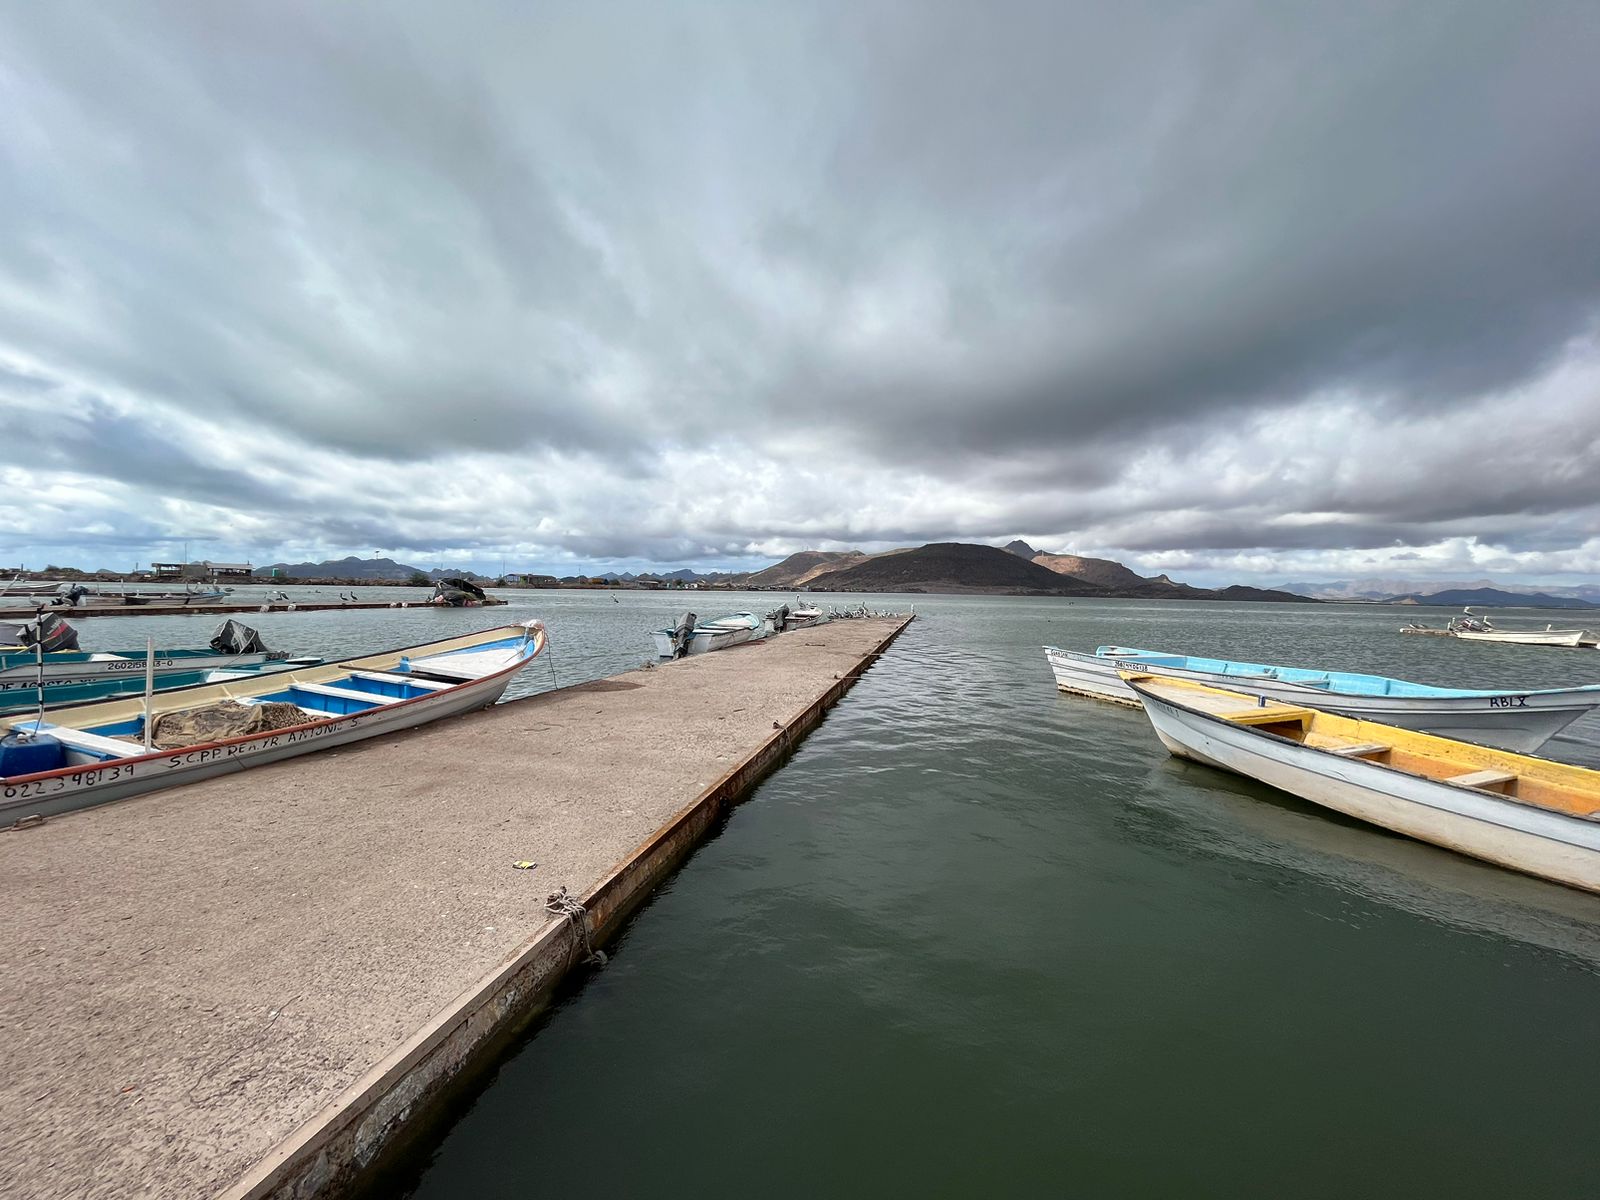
(964, 567)
(949, 567)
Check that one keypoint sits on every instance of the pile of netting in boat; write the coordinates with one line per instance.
(220, 721)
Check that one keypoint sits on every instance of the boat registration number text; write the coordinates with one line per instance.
(1508, 702)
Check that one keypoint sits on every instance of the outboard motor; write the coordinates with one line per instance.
(778, 619)
(49, 631)
(71, 597)
(682, 631)
(232, 637)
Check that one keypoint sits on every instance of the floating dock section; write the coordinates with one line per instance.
(258, 985)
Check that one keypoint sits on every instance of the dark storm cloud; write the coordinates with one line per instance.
(928, 270)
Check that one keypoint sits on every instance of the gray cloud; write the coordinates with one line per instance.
(707, 284)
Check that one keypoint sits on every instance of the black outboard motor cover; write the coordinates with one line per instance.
(682, 630)
(233, 637)
(47, 630)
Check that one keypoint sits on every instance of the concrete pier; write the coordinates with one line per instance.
(254, 984)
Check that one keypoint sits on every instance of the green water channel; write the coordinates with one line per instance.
(981, 938)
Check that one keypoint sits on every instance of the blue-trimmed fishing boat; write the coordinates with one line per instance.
(1519, 721)
(92, 753)
(233, 647)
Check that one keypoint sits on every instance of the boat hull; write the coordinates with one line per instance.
(1536, 841)
(1516, 721)
(88, 668)
(1531, 637)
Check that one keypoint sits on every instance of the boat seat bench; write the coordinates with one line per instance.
(322, 689)
(1361, 750)
(1480, 779)
(431, 685)
(103, 748)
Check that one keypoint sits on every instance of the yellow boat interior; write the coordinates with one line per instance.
(1560, 787)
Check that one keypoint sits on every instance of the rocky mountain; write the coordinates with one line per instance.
(949, 567)
(1022, 550)
(1100, 572)
(799, 569)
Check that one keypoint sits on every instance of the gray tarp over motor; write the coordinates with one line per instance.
(234, 637)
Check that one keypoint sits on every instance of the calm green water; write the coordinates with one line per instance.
(980, 938)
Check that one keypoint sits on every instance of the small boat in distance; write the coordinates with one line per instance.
(93, 753)
(1519, 721)
(689, 636)
(1471, 628)
(1474, 628)
(1528, 814)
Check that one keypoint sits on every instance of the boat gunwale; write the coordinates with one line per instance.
(240, 739)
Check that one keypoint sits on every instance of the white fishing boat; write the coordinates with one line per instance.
(89, 754)
(802, 616)
(1529, 814)
(689, 636)
(1521, 721)
(1471, 627)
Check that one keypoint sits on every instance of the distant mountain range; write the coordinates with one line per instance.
(1491, 598)
(348, 568)
(1419, 591)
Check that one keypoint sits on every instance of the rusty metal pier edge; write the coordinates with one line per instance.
(334, 1152)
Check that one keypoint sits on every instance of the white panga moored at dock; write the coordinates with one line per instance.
(1529, 814)
(688, 635)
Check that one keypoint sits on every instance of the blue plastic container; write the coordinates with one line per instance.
(19, 757)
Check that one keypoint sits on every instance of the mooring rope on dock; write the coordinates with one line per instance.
(563, 905)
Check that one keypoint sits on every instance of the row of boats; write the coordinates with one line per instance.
(76, 595)
(80, 728)
(1450, 766)
(688, 635)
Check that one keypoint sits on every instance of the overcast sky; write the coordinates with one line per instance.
(1236, 291)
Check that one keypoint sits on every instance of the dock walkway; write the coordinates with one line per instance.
(249, 984)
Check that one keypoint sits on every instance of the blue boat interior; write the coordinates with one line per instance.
(1344, 683)
(356, 690)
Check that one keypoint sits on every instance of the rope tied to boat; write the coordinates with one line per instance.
(561, 904)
